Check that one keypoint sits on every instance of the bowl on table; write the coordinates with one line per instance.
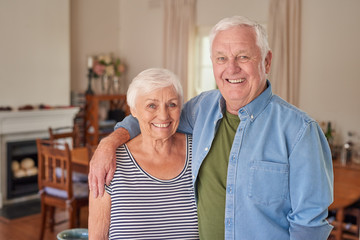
(73, 234)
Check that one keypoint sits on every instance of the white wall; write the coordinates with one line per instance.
(131, 29)
(209, 12)
(330, 82)
(34, 52)
(94, 30)
(141, 34)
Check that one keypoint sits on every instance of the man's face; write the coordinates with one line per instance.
(238, 68)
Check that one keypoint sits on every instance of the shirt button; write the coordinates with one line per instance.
(228, 222)
(230, 190)
(206, 149)
(252, 116)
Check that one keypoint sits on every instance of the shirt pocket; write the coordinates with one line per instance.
(268, 182)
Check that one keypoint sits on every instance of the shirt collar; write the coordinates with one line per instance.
(256, 106)
(252, 109)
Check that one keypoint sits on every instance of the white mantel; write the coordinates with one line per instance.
(28, 125)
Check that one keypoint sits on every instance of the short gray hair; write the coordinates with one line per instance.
(152, 79)
(227, 23)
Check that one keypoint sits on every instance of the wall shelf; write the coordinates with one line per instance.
(93, 130)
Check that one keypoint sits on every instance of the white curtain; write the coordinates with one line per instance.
(179, 35)
(284, 29)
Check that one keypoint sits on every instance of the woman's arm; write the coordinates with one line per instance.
(99, 217)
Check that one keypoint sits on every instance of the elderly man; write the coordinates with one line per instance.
(262, 168)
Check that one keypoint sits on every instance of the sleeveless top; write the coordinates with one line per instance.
(145, 207)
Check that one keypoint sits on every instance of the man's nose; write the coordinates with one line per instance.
(233, 66)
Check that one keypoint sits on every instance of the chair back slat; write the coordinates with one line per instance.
(72, 133)
(54, 160)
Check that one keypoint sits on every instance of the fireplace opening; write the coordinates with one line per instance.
(22, 168)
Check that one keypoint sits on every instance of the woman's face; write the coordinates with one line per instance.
(158, 113)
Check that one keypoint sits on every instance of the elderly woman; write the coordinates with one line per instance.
(151, 195)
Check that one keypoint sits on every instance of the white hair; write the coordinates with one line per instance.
(227, 23)
(152, 79)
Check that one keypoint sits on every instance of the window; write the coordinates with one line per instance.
(203, 72)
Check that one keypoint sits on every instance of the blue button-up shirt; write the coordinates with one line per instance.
(280, 178)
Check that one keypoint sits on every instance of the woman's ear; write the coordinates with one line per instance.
(133, 112)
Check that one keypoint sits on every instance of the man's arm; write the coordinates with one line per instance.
(311, 185)
(103, 162)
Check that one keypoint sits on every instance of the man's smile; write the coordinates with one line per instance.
(235, 80)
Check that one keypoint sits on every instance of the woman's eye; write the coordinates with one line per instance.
(152, 106)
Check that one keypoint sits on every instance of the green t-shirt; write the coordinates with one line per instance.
(211, 181)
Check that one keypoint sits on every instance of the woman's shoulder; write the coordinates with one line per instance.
(134, 142)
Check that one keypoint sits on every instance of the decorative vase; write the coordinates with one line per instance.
(116, 85)
(105, 84)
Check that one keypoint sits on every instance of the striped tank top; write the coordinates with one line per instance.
(144, 207)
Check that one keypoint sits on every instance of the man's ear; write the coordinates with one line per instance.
(267, 63)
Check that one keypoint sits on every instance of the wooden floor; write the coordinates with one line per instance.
(28, 228)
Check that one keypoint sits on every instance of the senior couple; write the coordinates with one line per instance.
(233, 163)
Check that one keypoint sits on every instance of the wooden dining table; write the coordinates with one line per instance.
(346, 192)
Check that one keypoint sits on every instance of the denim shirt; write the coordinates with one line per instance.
(280, 177)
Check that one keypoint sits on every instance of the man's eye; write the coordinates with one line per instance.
(172, 105)
(243, 58)
(220, 59)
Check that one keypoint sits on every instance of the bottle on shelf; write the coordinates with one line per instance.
(347, 150)
(356, 151)
(344, 157)
(328, 134)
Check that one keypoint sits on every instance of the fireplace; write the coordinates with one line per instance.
(22, 168)
(18, 133)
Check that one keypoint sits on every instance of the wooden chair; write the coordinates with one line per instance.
(69, 135)
(57, 190)
(72, 133)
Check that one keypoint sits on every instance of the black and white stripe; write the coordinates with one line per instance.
(144, 207)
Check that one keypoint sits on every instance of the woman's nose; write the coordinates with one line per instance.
(163, 113)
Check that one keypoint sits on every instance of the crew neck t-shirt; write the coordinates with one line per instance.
(211, 181)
